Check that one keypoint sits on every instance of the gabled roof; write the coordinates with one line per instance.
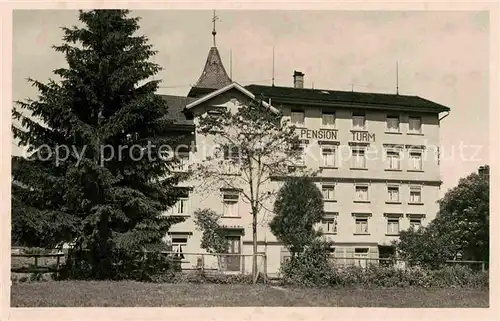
(233, 85)
(213, 76)
(319, 97)
(175, 107)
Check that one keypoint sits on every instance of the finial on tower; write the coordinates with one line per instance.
(397, 78)
(215, 18)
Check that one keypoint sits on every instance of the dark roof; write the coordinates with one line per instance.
(175, 107)
(306, 96)
(213, 76)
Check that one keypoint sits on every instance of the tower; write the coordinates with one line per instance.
(214, 75)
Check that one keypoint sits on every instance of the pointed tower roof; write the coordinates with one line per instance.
(214, 76)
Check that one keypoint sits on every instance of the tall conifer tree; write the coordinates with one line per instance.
(102, 196)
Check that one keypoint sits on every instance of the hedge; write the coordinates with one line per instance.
(297, 273)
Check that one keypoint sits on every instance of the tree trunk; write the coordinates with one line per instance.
(254, 238)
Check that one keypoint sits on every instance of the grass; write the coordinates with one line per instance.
(136, 294)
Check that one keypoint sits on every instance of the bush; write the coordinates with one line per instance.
(459, 276)
(146, 267)
(312, 268)
(214, 278)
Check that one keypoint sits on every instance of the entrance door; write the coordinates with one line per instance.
(233, 261)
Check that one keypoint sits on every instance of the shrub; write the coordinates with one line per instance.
(312, 268)
(459, 276)
(146, 267)
(199, 276)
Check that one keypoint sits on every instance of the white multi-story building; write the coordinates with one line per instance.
(378, 153)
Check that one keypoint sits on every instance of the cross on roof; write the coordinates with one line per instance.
(214, 19)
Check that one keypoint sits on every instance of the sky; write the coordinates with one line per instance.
(441, 56)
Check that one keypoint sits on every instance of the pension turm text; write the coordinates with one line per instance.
(328, 134)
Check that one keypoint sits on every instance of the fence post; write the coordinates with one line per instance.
(36, 262)
(202, 262)
(483, 267)
(243, 257)
(57, 266)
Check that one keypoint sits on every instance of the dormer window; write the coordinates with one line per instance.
(297, 117)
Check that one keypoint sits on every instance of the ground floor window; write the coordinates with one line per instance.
(179, 244)
(361, 256)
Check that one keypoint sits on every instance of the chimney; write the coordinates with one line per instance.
(298, 79)
(484, 171)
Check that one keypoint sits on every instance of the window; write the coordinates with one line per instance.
(358, 122)
(183, 161)
(415, 194)
(415, 223)
(414, 125)
(416, 161)
(230, 203)
(328, 192)
(299, 154)
(329, 225)
(358, 158)
(328, 119)
(328, 156)
(393, 192)
(179, 244)
(285, 255)
(392, 226)
(180, 160)
(393, 159)
(362, 193)
(392, 124)
(297, 117)
(361, 254)
(232, 156)
(361, 225)
(232, 153)
(181, 207)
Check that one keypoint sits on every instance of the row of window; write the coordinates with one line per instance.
(361, 193)
(230, 198)
(230, 201)
(393, 158)
(179, 243)
(329, 225)
(347, 258)
(393, 123)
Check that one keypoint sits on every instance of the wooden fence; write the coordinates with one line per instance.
(36, 268)
(226, 263)
(363, 261)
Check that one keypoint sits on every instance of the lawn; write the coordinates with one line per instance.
(135, 294)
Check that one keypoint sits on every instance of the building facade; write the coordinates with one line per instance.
(378, 155)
